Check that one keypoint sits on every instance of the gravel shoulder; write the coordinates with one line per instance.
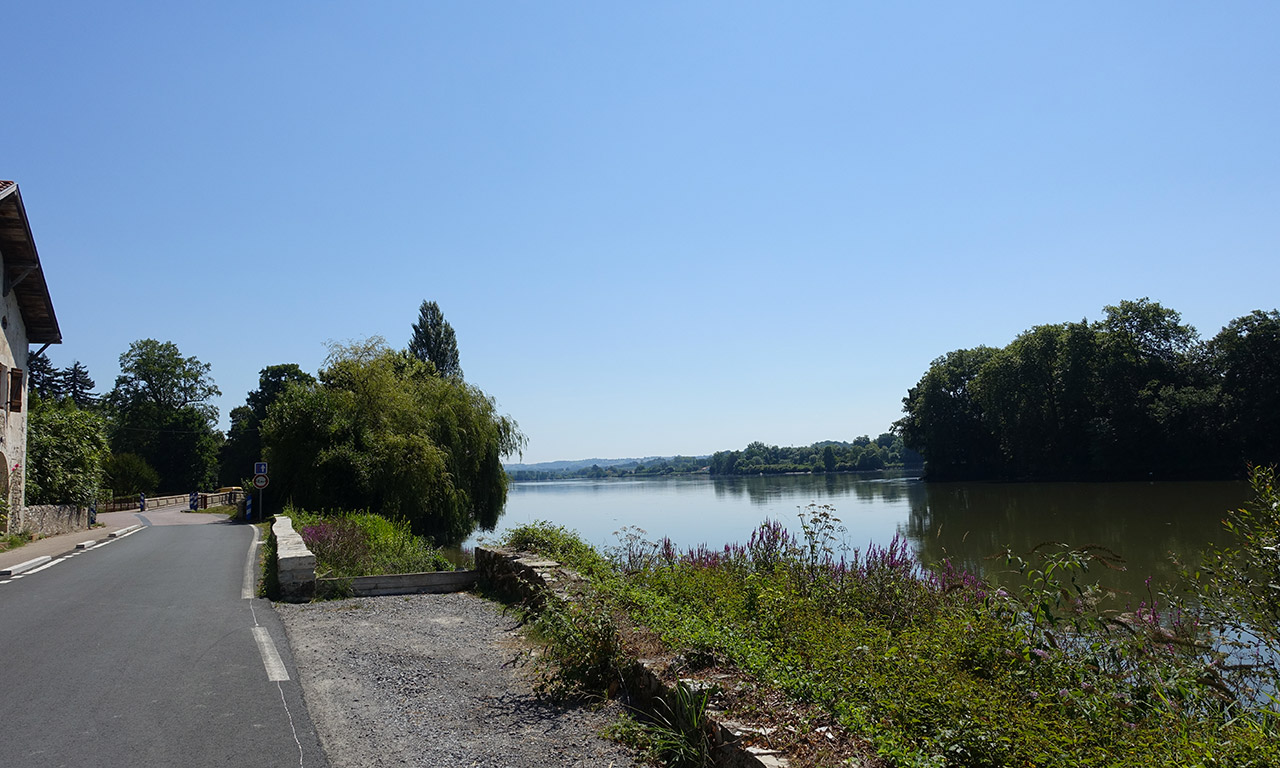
(432, 680)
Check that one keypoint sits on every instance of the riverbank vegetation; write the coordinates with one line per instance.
(862, 455)
(931, 666)
(656, 467)
(350, 544)
(1137, 395)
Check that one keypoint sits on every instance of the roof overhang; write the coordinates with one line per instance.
(22, 273)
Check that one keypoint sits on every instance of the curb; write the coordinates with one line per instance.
(14, 570)
(123, 531)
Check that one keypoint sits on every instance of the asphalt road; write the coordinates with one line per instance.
(146, 652)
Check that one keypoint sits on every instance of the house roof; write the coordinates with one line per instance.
(22, 272)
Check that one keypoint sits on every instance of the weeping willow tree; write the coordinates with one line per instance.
(380, 431)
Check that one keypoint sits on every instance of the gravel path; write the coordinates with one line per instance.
(428, 680)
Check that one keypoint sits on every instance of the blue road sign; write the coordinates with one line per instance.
(260, 468)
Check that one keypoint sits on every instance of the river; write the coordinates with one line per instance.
(970, 523)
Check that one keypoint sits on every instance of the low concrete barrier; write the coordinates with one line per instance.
(296, 572)
(14, 570)
(433, 583)
(295, 565)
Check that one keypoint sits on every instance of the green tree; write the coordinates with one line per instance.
(156, 373)
(129, 474)
(829, 459)
(381, 431)
(42, 378)
(945, 419)
(1245, 356)
(66, 447)
(76, 384)
(162, 413)
(244, 442)
(433, 341)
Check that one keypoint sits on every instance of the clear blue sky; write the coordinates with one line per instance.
(656, 228)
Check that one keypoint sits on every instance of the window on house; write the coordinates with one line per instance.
(15, 390)
(4, 398)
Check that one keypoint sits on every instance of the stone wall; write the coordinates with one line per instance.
(51, 519)
(295, 565)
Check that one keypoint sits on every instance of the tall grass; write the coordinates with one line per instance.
(349, 544)
(933, 666)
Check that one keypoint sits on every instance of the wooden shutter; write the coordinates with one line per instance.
(15, 390)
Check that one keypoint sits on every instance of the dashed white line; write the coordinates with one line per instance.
(270, 656)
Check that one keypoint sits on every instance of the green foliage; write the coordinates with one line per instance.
(380, 431)
(583, 656)
(1136, 395)
(66, 448)
(155, 372)
(674, 465)
(13, 540)
(1245, 356)
(76, 384)
(1238, 589)
(269, 578)
(555, 542)
(244, 447)
(862, 455)
(932, 667)
(128, 474)
(162, 413)
(43, 379)
(679, 732)
(348, 544)
(433, 341)
(180, 444)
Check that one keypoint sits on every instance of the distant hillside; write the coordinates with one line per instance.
(574, 466)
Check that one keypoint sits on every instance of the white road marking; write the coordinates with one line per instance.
(47, 565)
(70, 555)
(270, 656)
(250, 564)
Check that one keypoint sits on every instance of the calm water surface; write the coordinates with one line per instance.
(970, 523)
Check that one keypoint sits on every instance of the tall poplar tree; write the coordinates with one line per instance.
(433, 341)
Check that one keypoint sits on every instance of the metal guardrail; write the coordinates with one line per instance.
(206, 500)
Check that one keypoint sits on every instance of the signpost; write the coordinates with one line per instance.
(260, 481)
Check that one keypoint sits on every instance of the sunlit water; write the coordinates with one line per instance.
(970, 523)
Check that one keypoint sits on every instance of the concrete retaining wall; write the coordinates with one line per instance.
(530, 579)
(52, 519)
(434, 583)
(295, 565)
(296, 571)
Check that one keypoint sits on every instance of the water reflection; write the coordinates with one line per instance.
(1143, 523)
(967, 522)
(767, 490)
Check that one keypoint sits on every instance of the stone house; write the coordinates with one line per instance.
(26, 318)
